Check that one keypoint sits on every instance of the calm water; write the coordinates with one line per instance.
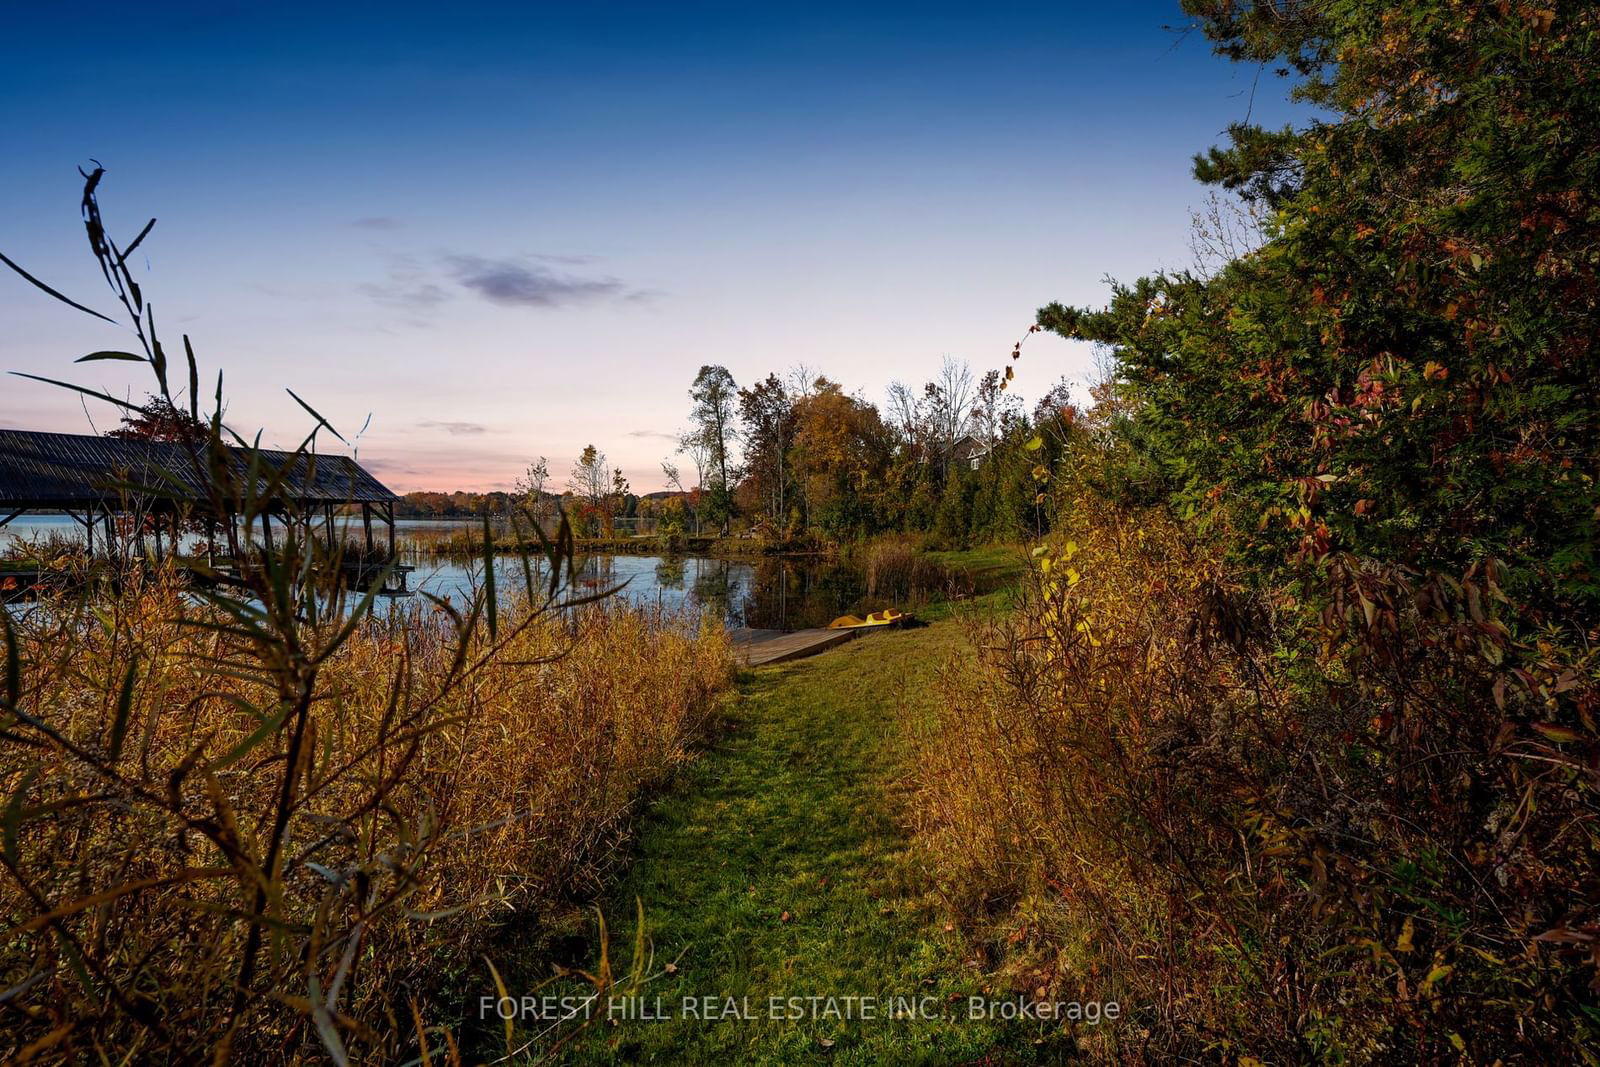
(779, 593)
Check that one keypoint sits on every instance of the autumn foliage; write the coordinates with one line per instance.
(1294, 745)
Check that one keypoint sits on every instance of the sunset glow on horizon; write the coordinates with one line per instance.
(515, 233)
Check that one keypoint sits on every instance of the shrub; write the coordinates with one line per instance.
(1357, 835)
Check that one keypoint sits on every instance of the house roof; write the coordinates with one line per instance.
(60, 470)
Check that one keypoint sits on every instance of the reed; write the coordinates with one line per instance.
(899, 572)
(247, 818)
(427, 814)
(53, 548)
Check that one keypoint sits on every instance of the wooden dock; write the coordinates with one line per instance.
(755, 648)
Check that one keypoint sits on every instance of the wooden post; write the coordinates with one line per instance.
(366, 524)
(266, 532)
(390, 510)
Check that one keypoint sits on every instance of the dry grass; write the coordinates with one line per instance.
(1269, 832)
(251, 820)
(424, 812)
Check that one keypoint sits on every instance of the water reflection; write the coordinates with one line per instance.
(769, 592)
(783, 593)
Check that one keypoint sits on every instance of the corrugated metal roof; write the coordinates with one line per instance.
(49, 470)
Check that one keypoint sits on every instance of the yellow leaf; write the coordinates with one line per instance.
(1035, 444)
(1556, 732)
(1406, 933)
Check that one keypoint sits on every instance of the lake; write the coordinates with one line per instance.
(781, 593)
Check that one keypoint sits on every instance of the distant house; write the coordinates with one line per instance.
(969, 451)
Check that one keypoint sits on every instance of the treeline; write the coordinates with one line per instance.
(958, 457)
(797, 457)
(456, 505)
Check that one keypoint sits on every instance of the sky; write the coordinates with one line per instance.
(491, 232)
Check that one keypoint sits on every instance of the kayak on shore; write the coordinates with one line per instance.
(886, 617)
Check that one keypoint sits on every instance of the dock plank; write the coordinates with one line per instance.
(756, 648)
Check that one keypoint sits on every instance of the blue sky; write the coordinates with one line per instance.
(507, 230)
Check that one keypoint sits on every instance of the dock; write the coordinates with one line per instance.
(756, 648)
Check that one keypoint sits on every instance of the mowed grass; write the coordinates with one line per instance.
(779, 866)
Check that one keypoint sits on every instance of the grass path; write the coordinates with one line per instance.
(779, 866)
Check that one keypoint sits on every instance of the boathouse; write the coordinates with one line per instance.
(96, 479)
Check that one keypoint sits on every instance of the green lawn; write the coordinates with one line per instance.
(994, 570)
(779, 866)
(991, 566)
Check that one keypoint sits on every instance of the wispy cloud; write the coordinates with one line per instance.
(455, 429)
(408, 286)
(661, 435)
(384, 466)
(423, 295)
(518, 283)
(419, 285)
(378, 222)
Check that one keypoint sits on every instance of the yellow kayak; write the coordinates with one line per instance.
(886, 617)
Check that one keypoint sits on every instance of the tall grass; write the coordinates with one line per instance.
(248, 819)
(899, 571)
(49, 548)
(129, 892)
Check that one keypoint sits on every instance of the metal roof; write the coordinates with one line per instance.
(63, 470)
